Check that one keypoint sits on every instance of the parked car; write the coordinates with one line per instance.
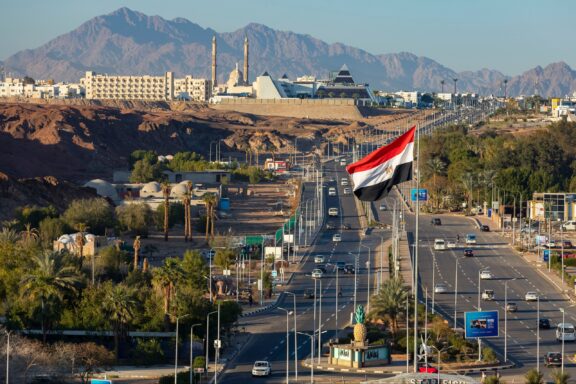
(511, 307)
(567, 244)
(261, 368)
(436, 221)
(349, 268)
(544, 323)
(347, 191)
(531, 296)
(485, 228)
(318, 259)
(344, 182)
(331, 191)
(569, 226)
(486, 274)
(440, 288)
(469, 252)
(337, 237)
(470, 238)
(333, 211)
(553, 359)
(317, 273)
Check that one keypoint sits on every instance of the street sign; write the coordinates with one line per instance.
(100, 381)
(253, 240)
(481, 324)
(217, 344)
(419, 194)
(226, 272)
(274, 273)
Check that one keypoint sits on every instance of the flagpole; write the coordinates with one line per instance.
(416, 240)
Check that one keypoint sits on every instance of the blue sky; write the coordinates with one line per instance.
(508, 35)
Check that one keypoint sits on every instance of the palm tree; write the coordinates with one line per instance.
(136, 246)
(468, 182)
(119, 306)
(390, 301)
(8, 235)
(560, 377)
(436, 167)
(80, 240)
(166, 278)
(166, 194)
(186, 204)
(29, 234)
(210, 202)
(49, 281)
(533, 377)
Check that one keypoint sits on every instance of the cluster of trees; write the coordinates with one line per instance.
(145, 167)
(458, 167)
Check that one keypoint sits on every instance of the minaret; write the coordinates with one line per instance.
(246, 60)
(214, 81)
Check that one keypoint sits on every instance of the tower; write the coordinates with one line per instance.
(214, 73)
(246, 65)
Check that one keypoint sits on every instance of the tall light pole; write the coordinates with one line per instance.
(355, 277)
(561, 252)
(479, 309)
(311, 355)
(538, 334)
(208, 338)
(455, 293)
(295, 338)
(563, 335)
(192, 351)
(176, 348)
(217, 346)
(262, 274)
(506, 320)
(368, 264)
(8, 356)
(433, 279)
(288, 313)
(320, 323)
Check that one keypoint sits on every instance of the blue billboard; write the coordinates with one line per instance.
(420, 194)
(99, 381)
(481, 324)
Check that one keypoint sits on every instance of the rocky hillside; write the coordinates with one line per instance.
(130, 42)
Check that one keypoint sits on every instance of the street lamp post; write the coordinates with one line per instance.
(192, 351)
(479, 309)
(455, 293)
(320, 323)
(563, 336)
(8, 356)
(176, 348)
(506, 320)
(295, 338)
(355, 277)
(208, 338)
(217, 346)
(369, 269)
(538, 334)
(288, 313)
(433, 279)
(311, 355)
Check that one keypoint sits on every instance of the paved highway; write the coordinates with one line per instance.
(269, 329)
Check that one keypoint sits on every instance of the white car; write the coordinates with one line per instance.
(531, 296)
(261, 368)
(451, 244)
(344, 182)
(486, 275)
(318, 259)
(337, 237)
(347, 191)
(317, 273)
(331, 191)
(440, 288)
(439, 245)
(333, 211)
(569, 226)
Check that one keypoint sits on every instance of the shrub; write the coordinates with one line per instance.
(148, 352)
(134, 218)
(95, 213)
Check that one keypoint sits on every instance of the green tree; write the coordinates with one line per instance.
(51, 228)
(534, 377)
(97, 214)
(390, 302)
(119, 307)
(49, 282)
(134, 218)
(145, 172)
(166, 278)
(224, 258)
(175, 215)
(150, 157)
(195, 268)
(111, 260)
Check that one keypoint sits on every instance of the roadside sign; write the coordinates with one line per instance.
(217, 344)
(545, 254)
(481, 324)
(100, 381)
(253, 240)
(419, 194)
(274, 273)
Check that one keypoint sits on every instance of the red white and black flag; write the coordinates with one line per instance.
(376, 174)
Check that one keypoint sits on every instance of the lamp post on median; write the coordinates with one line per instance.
(295, 338)
(355, 277)
(563, 335)
(506, 320)
(479, 309)
(368, 269)
(311, 354)
(208, 338)
(176, 348)
(192, 351)
(288, 313)
(538, 334)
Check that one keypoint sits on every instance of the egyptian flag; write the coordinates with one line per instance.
(376, 174)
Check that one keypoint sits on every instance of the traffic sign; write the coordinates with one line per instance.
(420, 194)
(274, 273)
(100, 381)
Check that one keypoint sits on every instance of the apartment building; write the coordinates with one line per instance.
(100, 86)
(190, 88)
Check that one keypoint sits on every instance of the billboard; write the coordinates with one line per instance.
(481, 324)
(420, 194)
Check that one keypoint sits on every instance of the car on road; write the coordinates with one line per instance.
(261, 368)
(349, 269)
(451, 244)
(439, 245)
(337, 238)
(340, 265)
(318, 259)
(553, 359)
(567, 244)
(485, 228)
(440, 288)
(347, 191)
(317, 273)
(308, 293)
(436, 221)
(331, 191)
(344, 182)
(321, 267)
(544, 323)
(382, 207)
(345, 226)
(511, 307)
(330, 226)
(343, 162)
(485, 274)
(468, 252)
(531, 296)
(566, 332)
(333, 211)
(488, 295)
(470, 238)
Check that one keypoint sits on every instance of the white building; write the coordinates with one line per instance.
(190, 88)
(129, 87)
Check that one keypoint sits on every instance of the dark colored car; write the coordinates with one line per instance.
(469, 252)
(553, 358)
(349, 268)
(308, 293)
(436, 221)
(511, 307)
(321, 267)
(567, 244)
(340, 265)
(484, 228)
(544, 324)
(345, 226)
(330, 226)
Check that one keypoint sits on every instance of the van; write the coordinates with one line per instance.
(439, 245)
(566, 332)
(470, 238)
(569, 226)
(331, 191)
(333, 211)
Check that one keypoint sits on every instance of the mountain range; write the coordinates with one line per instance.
(130, 42)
